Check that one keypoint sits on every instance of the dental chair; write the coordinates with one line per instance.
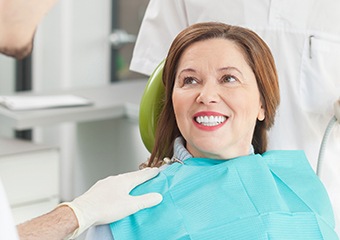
(150, 107)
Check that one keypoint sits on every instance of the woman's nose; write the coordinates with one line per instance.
(208, 94)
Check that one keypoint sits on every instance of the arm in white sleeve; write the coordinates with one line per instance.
(163, 20)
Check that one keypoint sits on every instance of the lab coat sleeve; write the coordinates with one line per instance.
(7, 226)
(102, 232)
(163, 20)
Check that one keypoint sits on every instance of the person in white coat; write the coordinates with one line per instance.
(305, 41)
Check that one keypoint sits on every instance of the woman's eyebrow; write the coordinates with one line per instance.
(192, 70)
(230, 68)
(186, 70)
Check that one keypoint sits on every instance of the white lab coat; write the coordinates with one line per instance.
(7, 226)
(304, 37)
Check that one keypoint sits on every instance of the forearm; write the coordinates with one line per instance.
(106, 201)
(57, 224)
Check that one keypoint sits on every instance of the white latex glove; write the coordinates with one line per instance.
(109, 200)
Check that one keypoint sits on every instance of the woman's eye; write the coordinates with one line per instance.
(229, 78)
(189, 80)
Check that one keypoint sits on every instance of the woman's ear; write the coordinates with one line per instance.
(261, 115)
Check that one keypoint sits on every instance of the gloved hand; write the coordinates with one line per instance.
(109, 200)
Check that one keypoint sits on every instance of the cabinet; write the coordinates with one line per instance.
(30, 175)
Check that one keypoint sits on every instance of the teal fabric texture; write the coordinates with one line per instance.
(271, 196)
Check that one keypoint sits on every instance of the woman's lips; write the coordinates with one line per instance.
(209, 120)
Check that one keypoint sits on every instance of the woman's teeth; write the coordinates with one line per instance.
(210, 120)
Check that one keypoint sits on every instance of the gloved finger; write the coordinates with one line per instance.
(138, 177)
(146, 201)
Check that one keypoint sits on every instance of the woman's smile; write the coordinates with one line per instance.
(209, 121)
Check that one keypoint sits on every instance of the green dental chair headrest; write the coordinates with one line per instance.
(150, 107)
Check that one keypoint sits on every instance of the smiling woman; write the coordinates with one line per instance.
(221, 95)
(233, 67)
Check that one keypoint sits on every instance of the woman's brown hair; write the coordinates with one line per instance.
(259, 58)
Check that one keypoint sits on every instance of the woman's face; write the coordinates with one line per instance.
(216, 100)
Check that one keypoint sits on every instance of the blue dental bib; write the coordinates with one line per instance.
(271, 196)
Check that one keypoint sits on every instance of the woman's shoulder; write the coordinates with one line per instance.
(283, 160)
(292, 168)
(273, 156)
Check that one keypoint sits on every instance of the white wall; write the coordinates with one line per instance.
(7, 73)
(71, 48)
